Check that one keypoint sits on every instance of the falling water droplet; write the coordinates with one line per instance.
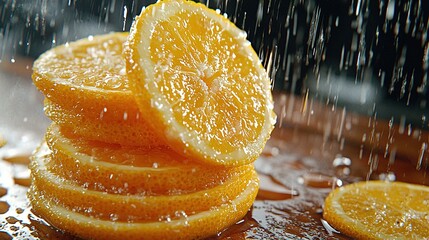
(390, 12)
(423, 149)
(271, 189)
(319, 180)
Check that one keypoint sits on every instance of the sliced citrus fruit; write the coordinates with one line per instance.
(198, 78)
(131, 207)
(119, 169)
(196, 226)
(379, 210)
(87, 79)
(125, 131)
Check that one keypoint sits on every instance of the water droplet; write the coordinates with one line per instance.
(340, 161)
(19, 210)
(319, 180)
(270, 151)
(114, 217)
(390, 176)
(399, 224)
(4, 207)
(11, 220)
(423, 149)
(328, 227)
(271, 189)
(390, 12)
(3, 191)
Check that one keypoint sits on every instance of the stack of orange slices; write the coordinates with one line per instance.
(155, 132)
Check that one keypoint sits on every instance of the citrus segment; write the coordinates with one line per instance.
(379, 210)
(118, 169)
(87, 79)
(198, 77)
(131, 207)
(197, 226)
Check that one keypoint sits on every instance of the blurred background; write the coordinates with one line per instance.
(371, 56)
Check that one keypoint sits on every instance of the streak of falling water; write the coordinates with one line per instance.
(369, 57)
(423, 152)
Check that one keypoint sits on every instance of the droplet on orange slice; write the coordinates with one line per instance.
(88, 91)
(196, 226)
(129, 207)
(125, 129)
(125, 170)
(198, 78)
(379, 210)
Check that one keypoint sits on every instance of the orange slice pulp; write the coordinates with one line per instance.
(197, 226)
(144, 207)
(379, 210)
(86, 81)
(201, 82)
(122, 170)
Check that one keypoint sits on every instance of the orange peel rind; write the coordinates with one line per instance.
(131, 207)
(107, 168)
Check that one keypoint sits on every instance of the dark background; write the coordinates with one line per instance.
(371, 56)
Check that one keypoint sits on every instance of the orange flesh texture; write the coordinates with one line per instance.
(196, 226)
(88, 77)
(204, 83)
(104, 189)
(123, 170)
(380, 210)
(125, 131)
(131, 207)
(202, 97)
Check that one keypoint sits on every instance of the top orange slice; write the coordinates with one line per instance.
(379, 210)
(196, 75)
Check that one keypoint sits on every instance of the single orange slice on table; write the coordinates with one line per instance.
(379, 210)
(87, 79)
(144, 207)
(125, 170)
(196, 226)
(196, 76)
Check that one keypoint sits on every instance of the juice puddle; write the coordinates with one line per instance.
(271, 189)
(4, 207)
(319, 180)
(238, 230)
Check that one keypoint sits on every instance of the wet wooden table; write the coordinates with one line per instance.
(313, 149)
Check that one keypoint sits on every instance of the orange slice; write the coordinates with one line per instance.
(93, 126)
(379, 210)
(196, 226)
(131, 207)
(198, 78)
(87, 79)
(122, 170)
